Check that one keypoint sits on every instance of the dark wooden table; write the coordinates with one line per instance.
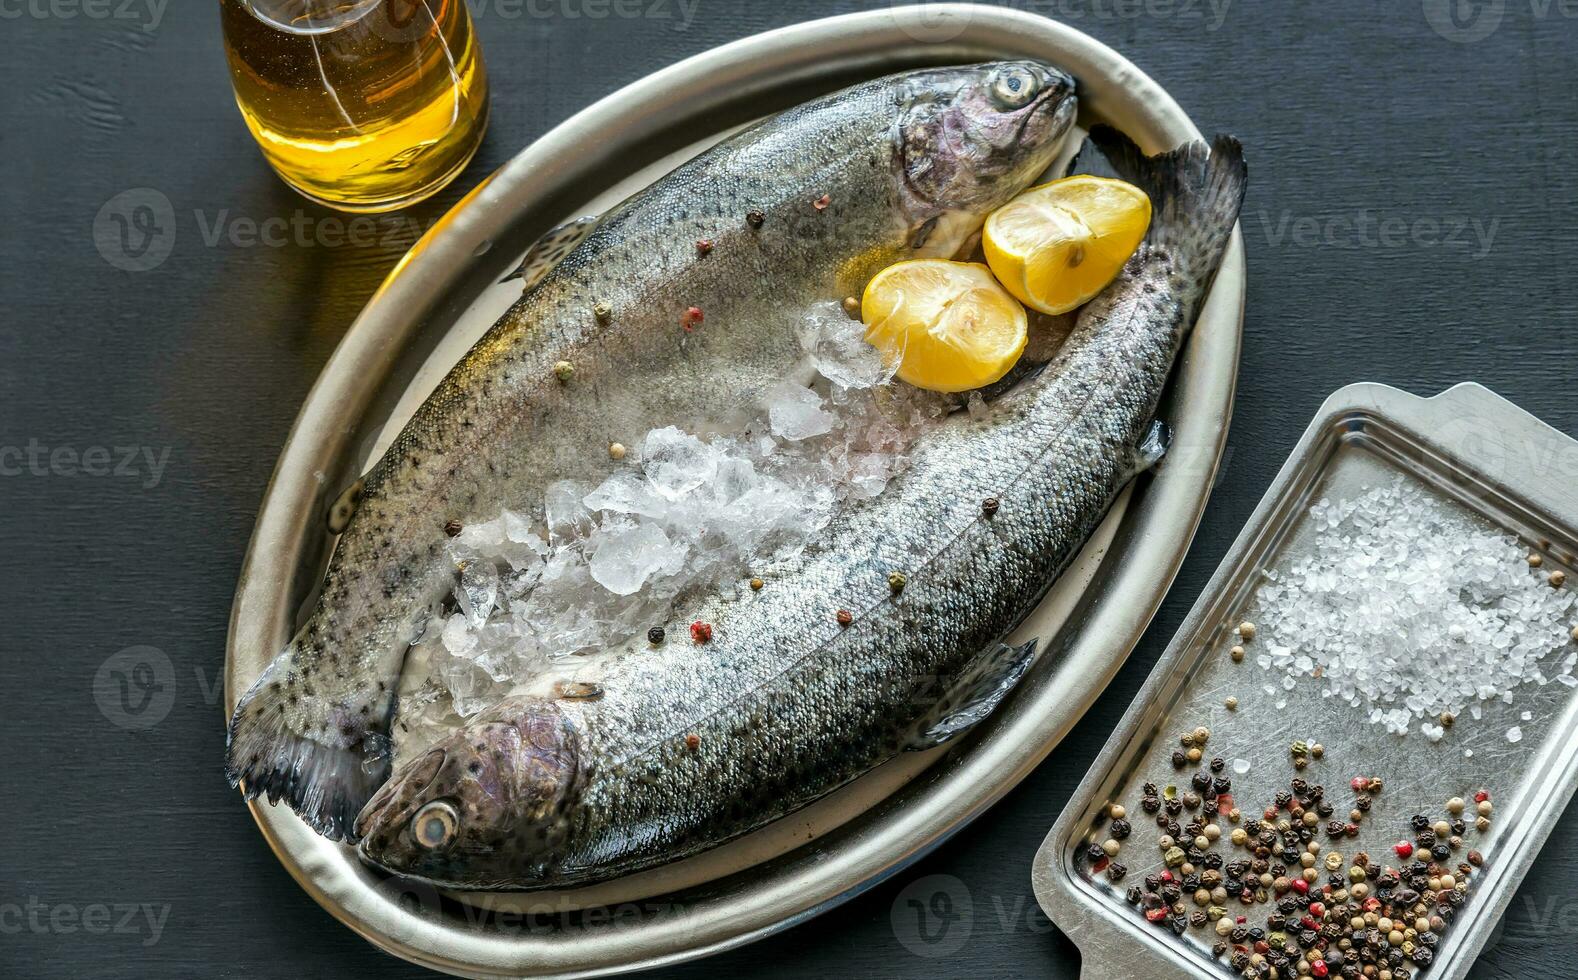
(1411, 220)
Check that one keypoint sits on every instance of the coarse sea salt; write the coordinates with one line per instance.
(1409, 608)
(588, 566)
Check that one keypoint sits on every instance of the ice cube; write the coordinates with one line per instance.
(795, 412)
(676, 462)
(627, 555)
(564, 513)
(477, 590)
(839, 351)
(625, 493)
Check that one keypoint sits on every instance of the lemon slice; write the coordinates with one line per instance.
(951, 326)
(1056, 246)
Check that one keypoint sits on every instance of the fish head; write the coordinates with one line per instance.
(483, 806)
(972, 137)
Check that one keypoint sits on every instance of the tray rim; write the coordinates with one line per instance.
(1068, 902)
(1154, 534)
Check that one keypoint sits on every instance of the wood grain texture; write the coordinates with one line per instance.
(1346, 112)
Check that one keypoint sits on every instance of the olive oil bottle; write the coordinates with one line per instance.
(363, 105)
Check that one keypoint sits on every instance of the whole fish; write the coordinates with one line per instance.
(689, 746)
(679, 307)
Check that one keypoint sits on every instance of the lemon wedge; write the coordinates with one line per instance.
(1056, 246)
(950, 325)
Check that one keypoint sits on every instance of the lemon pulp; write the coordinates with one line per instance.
(950, 325)
(1056, 246)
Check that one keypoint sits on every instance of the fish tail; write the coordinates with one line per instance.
(324, 757)
(1196, 192)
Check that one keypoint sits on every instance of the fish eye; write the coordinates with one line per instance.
(435, 824)
(1013, 88)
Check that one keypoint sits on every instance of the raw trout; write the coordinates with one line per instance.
(636, 327)
(690, 746)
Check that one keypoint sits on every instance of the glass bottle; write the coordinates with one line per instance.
(363, 105)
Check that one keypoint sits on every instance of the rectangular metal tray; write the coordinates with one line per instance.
(1472, 450)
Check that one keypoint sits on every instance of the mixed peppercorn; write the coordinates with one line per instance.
(1329, 915)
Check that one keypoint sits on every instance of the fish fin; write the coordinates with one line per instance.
(549, 250)
(1196, 193)
(344, 507)
(1150, 449)
(974, 697)
(326, 777)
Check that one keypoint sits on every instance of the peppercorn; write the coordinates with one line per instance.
(1237, 653)
(1246, 630)
(896, 582)
(563, 370)
(755, 218)
(1557, 579)
(1094, 852)
(1232, 704)
(452, 528)
(616, 451)
(691, 318)
(703, 246)
(1120, 829)
(845, 617)
(852, 307)
(1116, 872)
(1150, 804)
(701, 632)
(602, 311)
(989, 506)
(756, 584)
(655, 635)
(1179, 759)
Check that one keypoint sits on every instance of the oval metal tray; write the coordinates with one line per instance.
(444, 292)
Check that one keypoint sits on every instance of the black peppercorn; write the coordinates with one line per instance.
(1116, 872)
(1150, 804)
(1095, 853)
(655, 635)
(1120, 829)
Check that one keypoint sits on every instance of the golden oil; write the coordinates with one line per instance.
(363, 105)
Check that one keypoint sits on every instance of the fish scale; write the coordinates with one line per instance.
(690, 746)
(313, 730)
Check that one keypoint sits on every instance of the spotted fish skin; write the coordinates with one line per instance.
(802, 208)
(693, 745)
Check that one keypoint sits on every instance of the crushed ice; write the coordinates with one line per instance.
(1411, 609)
(683, 511)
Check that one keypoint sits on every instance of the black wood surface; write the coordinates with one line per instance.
(1410, 220)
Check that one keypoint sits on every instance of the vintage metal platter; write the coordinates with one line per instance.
(1478, 456)
(445, 292)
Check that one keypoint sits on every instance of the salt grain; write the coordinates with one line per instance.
(1411, 609)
